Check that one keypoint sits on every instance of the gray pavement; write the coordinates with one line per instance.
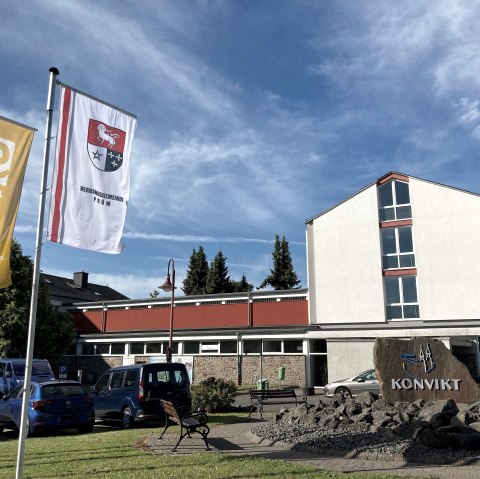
(237, 439)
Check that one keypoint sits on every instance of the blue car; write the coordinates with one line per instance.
(59, 404)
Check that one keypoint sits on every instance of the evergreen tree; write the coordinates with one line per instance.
(54, 330)
(218, 280)
(196, 280)
(242, 286)
(282, 276)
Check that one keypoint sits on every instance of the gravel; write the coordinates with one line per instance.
(383, 442)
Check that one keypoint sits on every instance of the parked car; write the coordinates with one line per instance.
(128, 394)
(12, 372)
(59, 404)
(363, 382)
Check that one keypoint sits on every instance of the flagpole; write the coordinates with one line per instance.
(36, 278)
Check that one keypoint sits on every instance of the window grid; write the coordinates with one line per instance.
(403, 255)
(401, 302)
(395, 209)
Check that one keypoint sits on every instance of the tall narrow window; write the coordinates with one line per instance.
(397, 248)
(394, 201)
(401, 297)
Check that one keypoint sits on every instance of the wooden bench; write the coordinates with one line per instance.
(188, 423)
(259, 397)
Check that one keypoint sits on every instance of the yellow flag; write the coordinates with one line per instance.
(15, 143)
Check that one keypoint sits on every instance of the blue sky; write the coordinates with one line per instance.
(253, 116)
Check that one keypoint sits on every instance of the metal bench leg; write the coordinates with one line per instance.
(166, 427)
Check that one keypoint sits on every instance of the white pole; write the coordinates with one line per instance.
(36, 279)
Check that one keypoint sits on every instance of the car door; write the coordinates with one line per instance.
(365, 382)
(3, 379)
(101, 395)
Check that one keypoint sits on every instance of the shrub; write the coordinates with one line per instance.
(214, 395)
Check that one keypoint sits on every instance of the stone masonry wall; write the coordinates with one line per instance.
(92, 367)
(226, 367)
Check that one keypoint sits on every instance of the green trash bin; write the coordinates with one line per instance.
(262, 384)
(281, 374)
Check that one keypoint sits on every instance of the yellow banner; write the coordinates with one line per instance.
(15, 143)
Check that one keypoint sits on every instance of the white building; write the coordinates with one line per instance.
(399, 258)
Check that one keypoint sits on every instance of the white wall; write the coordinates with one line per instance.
(344, 263)
(348, 358)
(446, 229)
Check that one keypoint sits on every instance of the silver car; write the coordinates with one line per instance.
(363, 382)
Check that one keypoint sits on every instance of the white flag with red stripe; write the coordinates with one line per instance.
(91, 177)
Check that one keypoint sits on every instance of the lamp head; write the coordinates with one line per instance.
(167, 285)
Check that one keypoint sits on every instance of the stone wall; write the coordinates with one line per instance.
(226, 367)
(92, 367)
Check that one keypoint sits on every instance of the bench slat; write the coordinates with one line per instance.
(190, 423)
(259, 397)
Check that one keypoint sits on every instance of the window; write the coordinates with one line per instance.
(154, 348)
(251, 346)
(137, 348)
(117, 379)
(270, 346)
(394, 201)
(209, 347)
(401, 297)
(88, 349)
(191, 347)
(118, 348)
(174, 347)
(102, 348)
(293, 346)
(397, 248)
(228, 347)
(130, 378)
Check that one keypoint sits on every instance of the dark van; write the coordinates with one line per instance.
(12, 372)
(129, 394)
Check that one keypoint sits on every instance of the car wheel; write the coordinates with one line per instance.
(127, 419)
(345, 392)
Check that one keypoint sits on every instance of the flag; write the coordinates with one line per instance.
(15, 143)
(91, 176)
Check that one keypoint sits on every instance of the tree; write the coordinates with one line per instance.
(282, 276)
(196, 280)
(242, 286)
(218, 280)
(54, 332)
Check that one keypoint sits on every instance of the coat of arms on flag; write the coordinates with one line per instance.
(105, 146)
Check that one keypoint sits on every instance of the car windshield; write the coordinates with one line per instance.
(38, 368)
(173, 376)
(52, 390)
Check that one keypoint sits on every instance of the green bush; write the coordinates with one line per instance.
(214, 395)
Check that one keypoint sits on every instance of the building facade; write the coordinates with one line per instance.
(396, 259)
(243, 337)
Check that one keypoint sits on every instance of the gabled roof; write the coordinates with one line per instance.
(69, 291)
(383, 178)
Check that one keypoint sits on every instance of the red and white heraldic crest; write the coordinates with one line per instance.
(105, 146)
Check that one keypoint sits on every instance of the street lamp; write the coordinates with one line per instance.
(170, 286)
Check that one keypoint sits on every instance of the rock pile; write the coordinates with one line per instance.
(367, 424)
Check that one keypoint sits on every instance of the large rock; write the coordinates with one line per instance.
(421, 368)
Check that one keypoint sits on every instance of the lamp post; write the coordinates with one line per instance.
(170, 286)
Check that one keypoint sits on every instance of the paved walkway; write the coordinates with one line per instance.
(237, 439)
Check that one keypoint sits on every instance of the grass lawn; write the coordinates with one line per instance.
(114, 454)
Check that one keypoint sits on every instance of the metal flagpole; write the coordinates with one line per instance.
(36, 279)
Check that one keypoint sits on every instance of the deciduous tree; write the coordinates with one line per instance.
(54, 330)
